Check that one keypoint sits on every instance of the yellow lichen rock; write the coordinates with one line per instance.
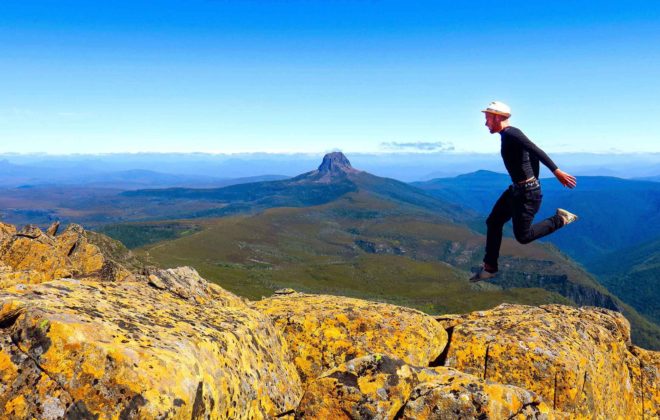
(577, 360)
(380, 387)
(6, 231)
(325, 331)
(186, 349)
(34, 257)
(369, 387)
(445, 393)
(645, 368)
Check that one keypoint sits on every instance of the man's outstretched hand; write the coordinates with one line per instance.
(567, 180)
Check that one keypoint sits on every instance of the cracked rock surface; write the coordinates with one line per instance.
(31, 256)
(130, 350)
(381, 387)
(579, 360)
(325, 331)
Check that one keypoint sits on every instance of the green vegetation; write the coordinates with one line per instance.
(634, 275)
(135, 235)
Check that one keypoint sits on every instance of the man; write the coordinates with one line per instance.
(522, 200)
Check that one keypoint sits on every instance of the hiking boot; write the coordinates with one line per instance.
(482, 274)
(566, 216)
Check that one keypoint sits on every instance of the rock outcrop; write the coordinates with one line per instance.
(34, 256)
(368, 387)
(577, 359)
(129, 350)
(325, 331)
(87, 332)
(458, 395)
(381, 387)
(334, 165)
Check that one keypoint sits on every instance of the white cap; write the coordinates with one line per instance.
(498, 108)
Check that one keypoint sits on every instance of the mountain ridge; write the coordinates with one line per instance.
(333, 178)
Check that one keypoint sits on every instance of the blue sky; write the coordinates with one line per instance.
(312, 76)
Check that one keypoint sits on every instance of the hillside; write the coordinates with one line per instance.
(343, 231)
(364, 246)
(634, 275)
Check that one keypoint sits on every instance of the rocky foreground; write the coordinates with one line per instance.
(85, 333)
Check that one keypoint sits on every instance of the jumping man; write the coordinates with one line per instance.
(522, 200)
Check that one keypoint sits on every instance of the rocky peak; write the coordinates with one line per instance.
(335, 163)
(335, 166)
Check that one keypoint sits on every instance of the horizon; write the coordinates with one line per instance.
(284, 77)
(37, 168)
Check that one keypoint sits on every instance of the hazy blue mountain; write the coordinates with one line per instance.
(614, 213)
(83, 173)
(405, 164)
(140, 178)
(650, 178)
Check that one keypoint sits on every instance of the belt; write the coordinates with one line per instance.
(527, 180)
(527, 185)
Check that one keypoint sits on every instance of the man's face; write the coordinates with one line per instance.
(493, 122)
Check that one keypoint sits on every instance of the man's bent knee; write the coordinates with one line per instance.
(523, 237)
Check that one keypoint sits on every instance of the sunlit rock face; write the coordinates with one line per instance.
(325, 331)
(31, 256)
(88, 332)
(578, 360)
(184, 349)
(381, 387)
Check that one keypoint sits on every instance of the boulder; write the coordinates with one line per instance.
(6, 231)
(445, 393)
(370, 387)
(81, 349)
(380, 387)
(325, 331)
(36, 257)
(576, 359)
(187, 284)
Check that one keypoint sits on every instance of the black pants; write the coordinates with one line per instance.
(520, 204)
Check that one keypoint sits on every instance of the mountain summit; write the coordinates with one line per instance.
(334, 165)
(336, 162)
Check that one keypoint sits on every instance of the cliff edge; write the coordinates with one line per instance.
(87, 332)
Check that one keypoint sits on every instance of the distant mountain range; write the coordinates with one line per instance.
(334, 178)
(402, 165)
(25, 176)
(650, 178)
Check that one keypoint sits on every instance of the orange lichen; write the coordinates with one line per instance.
(325, 331)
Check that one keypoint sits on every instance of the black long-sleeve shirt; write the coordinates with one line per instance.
(521, 156)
